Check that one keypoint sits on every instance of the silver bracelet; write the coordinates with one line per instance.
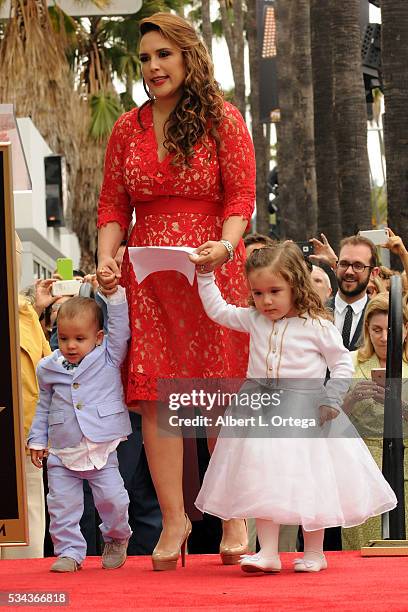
(230, 249)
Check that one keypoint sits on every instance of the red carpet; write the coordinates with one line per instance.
(350, 583)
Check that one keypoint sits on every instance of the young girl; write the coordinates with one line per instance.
(324, 479)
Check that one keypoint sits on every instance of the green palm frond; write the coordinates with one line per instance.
(127, 101)
(105, 110)
(153, 6)
(229, 94)
(124, 64)
(217, 29)
(67, 28)
(125, 30)
(62, 21)
(194, 14)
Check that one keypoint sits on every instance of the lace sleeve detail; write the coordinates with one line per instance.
(114, 201)
(237, 165)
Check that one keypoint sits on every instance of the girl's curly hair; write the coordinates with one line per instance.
(287, 260)
(201, 107)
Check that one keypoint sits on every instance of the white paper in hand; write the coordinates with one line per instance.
(146, 260)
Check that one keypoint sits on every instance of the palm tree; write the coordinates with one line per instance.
(105, 48)
(101, 107)
(206, 27)
(286, 146)
(60, 73)
(329, 219)
(306, 192)
(296, 163)
(350, 113)
(35, 77)
(394, 15)
(261, 144)
(232, 17)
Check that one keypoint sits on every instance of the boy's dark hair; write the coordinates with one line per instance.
(258, 239)
(77, 306)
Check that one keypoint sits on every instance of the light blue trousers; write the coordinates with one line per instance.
(65, 502)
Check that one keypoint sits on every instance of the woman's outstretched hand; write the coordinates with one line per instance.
(209, 256)
(108, 274)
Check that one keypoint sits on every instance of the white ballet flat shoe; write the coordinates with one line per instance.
(256, 563)
(309, 565)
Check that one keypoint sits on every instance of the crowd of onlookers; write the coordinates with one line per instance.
(352, 285)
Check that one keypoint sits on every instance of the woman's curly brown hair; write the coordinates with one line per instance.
(287, 260)
(201, 107)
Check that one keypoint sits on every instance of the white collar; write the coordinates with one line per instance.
(357, 306)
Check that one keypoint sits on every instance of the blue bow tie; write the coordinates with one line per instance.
(68, 365)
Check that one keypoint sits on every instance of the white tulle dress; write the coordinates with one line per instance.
(277, 463)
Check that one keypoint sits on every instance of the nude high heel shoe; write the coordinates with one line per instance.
(163, 560)
(231, 555)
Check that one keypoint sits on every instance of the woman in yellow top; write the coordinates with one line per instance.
(365, 403)
(33, 346)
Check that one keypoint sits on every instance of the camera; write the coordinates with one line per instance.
(66, 287)
(306, 248)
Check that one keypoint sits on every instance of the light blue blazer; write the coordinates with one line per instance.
(90, 401)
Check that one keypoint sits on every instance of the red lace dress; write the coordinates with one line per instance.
(172, 336)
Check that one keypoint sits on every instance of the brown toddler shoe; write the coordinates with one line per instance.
(65, 564)
(114, 554)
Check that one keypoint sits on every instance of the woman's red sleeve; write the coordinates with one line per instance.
(114, 201)
(237, 164)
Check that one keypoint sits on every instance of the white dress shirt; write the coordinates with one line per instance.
(340, 307)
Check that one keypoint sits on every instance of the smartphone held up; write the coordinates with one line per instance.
(68, 285)
(378, 236)
(378, 376)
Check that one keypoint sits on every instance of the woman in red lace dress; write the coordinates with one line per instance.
(184, 163)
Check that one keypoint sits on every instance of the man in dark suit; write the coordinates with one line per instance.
(357, 263)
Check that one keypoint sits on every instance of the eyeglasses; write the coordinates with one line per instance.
(356, 265)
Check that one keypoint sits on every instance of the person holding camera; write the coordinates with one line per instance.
(33, 347)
